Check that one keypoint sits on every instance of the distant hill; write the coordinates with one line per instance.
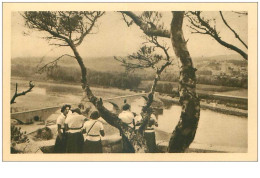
(109, 64)
(228, 70)
(105, 64)
(235, 57)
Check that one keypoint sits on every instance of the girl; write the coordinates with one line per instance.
(60, 142)
(93, 130)
(73, 125)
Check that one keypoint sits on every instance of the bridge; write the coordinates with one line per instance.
(42, 114)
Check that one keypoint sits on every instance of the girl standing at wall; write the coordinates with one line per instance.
(93, 130)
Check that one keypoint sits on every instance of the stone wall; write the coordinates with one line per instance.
(29, 116)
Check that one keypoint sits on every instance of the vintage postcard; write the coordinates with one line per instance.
(129, 81)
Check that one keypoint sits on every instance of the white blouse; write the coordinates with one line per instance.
(92, 128)
(61, 120)
(127, 117)
(74, 121)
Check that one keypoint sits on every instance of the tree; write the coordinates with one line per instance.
(147, 57)
(69, 28)
(184, 133)
(185, 130)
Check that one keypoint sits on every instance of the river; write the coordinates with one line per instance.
(214, 128)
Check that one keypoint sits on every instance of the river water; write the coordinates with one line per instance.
(214, 128)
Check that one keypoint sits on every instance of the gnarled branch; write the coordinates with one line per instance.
(235, 33)
(16, 94)
(145, 27)
(204, 27)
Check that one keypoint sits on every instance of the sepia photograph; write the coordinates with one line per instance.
(130, 82)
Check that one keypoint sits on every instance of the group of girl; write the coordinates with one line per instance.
(77, 134)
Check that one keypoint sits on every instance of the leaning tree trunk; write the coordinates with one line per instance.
(184, 132)
(132, 142)
(146, 110)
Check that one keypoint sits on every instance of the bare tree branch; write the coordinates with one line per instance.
(42, 58)
(16, 94)
(240, 12)
(204, 27)
(53, 63)
(127, 23)
(235, 33)
(88, 30)
(164, 48)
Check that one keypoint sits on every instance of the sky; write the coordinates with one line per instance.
(114, 38)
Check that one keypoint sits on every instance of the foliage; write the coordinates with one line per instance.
(119, 80)
(44, 134)
(145, 57)
(17, 137)
(223, 80)
(73, 75)
(148, 56)
(109, 79)
(66, 39)
(62, 26)
(164, 88)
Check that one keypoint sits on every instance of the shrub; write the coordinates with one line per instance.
(44, 134)
(17, 136)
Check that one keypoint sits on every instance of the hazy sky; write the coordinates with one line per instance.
(114, 38)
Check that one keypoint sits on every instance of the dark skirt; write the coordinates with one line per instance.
(150, 141)
(60, 144)
(74, 142)
(92, 146)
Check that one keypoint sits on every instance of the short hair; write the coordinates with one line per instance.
(81, 105)
(64, 107)
(126, 107)
(77, 110)
(94, 115)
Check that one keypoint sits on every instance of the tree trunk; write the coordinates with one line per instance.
(146, 111)
(184, 132)
(132, 142)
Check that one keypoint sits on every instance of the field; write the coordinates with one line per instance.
(201, 88)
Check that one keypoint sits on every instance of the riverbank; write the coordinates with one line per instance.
(211, 106)
(49, 94)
